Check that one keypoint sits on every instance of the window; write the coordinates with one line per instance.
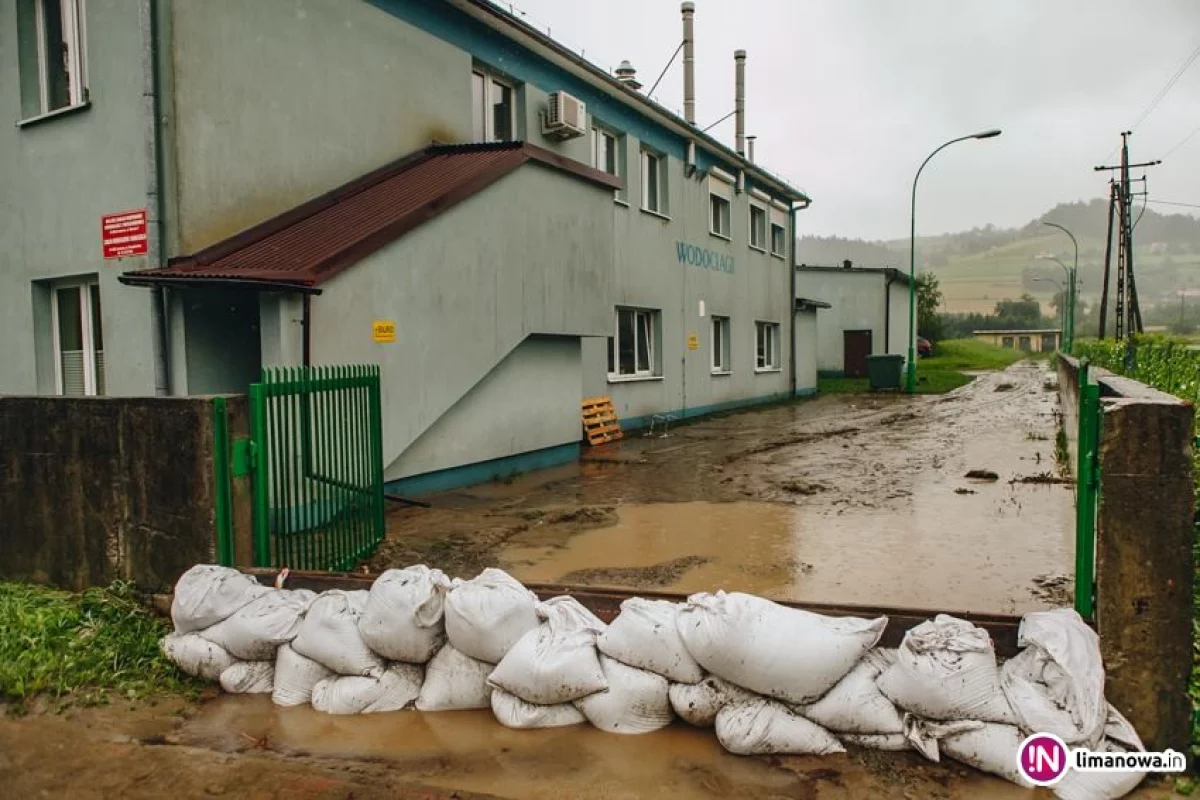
(720, 344)
(767, 345)
(493, 109)
(604, 151)
(51, 55)
(719, 216)
(631, 351)
(654, 184)
(1024, 343)
(1007, 342)
(78, 340)
(778, 239)
(758, 227)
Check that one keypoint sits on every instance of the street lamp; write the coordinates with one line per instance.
(1068, 333)
(911, 371)
(1063, 310)
(1072, 293)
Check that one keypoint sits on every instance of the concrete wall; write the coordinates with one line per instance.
(305, 95)
(95, 489)
(465, 290)
(858, 302)
(807, 344)
(57, 178)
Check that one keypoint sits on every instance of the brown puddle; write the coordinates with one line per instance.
(470, 751)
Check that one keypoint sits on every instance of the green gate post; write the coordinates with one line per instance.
(221, 484)
(258, 460)
(1087, 485)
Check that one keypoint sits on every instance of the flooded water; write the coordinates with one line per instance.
(470, 751)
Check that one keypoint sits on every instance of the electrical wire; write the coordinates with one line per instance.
(1158, 98)
(1170, 203)
(1181, 143)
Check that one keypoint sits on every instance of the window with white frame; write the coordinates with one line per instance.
(493, 108)
(654, 182)
(718, 216)
(766, 345)
(778, 239)
(78, 339)
(720, 344)
(631, 350)
(51, 52)
(604, 152)
(758, 227)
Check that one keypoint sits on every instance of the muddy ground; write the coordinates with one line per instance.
(837, 499)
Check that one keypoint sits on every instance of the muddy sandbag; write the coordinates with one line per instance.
(1119, 737)
(855, 704)
(767, 727)
(698, 703)
(946, 670)
(987, 746)
(256, 630)
(329, 634)
(644, 635)
(394, 690)
(1056, 684)
(207, 594)
(635, 701)
(455, 681)
(196, 655)
(513, 712)
(887, 742)
(786, 653)
(486, 616)
(295, 677)
(557, 662)
(403, 619)
(249, 677)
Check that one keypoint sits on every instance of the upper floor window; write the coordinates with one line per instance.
(778, 239)
(493, 109)
(719, 211)
(51, 52)
(654, 182)
(604, 151)
(758, 227)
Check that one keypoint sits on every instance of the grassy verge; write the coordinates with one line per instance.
(942, 372)
(81, 648)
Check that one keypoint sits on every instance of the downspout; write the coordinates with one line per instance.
(792, 289)
(306, 323)
(152, 111)
(889, 278)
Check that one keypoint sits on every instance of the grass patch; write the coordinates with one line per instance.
(82, 648)
(940, 373)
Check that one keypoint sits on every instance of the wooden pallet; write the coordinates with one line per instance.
(600, 423)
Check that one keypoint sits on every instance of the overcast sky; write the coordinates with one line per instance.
(847, 97)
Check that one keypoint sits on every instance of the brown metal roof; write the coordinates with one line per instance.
(311, 243)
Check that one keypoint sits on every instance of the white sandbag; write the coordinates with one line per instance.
(487, 615)
(946, 670)
(249, 677)
(196, 656)
(557, 662)
(991, 747)
(1056, 684)
(924, 734)
(766, 727)
(698, 703)
(329, 634)
(644, 635)
(454, 681)
(513, 712)
(207, 594)
(403, 619)
(635, 701)
(256, 630)
(888, 742)
(394, 690)
(1119, 737)
(855, 704)
(786, 653)
(295, 677)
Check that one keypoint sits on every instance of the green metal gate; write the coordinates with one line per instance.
(1087, 492)
(317, 455)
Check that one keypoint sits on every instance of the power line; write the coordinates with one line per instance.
(1170, 203)
(1167, 88)
(1182, 142)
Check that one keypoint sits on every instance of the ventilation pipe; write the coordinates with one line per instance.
(739, 57)
(750, 147)
(689, 64)
(627, 75)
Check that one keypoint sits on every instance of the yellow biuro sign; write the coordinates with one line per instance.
(384, 330)
(693, 342)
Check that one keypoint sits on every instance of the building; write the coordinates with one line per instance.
(1041, 340)
(868, 315)
(280, 181)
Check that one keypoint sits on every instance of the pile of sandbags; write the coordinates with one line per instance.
(769, 679)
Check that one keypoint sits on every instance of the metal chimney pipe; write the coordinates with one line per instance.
(750, 147)
(739, 57)
(689, 63)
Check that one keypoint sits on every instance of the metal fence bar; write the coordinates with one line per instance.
(1087, 488)
(221, 483)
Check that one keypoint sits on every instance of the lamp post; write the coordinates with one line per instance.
(1071, 294)
(1068, 332)
(1063, 310)
(911, 370)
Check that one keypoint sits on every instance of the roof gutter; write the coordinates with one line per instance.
(167, 281)
(528, 36)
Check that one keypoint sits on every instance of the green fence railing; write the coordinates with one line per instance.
(317, 439)
(1087, 492)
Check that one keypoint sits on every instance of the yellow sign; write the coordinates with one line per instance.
(693, 342)
(384, 330)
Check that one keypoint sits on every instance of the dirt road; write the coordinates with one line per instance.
(839, 499)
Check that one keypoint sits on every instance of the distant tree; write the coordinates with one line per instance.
(1023, 313)
(929, 301)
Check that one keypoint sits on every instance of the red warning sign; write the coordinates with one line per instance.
(124, 234)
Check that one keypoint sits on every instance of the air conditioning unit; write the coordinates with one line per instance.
(566, 116)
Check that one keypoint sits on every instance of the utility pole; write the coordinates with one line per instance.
(1129, 315)
(1112, 212)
